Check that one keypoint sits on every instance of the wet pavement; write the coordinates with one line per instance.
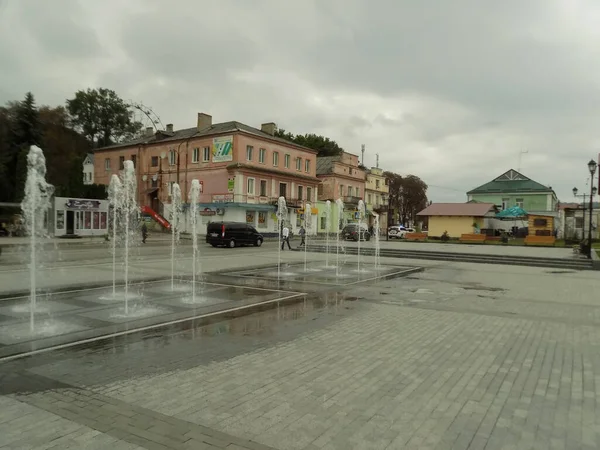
(456, 357)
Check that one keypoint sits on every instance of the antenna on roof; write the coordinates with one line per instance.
(521, 153)
(362, 149)
(377, 160)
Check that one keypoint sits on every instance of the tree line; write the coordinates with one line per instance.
(91, 119)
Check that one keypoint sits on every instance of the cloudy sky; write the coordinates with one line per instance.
(451, 91)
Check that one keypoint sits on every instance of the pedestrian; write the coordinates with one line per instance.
(285, 235)
(302, 234)
(144, 232)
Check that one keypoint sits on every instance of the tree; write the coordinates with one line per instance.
(102, 117)
(323, 145)
(408, 195)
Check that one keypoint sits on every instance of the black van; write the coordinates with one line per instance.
(232, 234)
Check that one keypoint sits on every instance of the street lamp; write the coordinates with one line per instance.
(384, 200)
(592, 167)
(584, 196)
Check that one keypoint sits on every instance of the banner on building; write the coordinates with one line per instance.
(222, 149)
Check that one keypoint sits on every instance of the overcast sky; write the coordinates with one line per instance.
(451, 91)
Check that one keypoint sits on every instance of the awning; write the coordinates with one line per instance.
(512, 213)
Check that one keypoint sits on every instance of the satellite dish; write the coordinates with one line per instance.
(144, 177)
(154, 177)
(163, 155)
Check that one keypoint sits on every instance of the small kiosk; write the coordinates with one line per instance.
(78, 217)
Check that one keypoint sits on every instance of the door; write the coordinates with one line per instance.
(70, 222)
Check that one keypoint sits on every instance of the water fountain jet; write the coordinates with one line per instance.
(281, 213)
(114, 195)
(340, 209)
(130, 213)
(361, 215)
(175, 219)
(35, 206)
(307, 226)
(194, 198)
(376, 231)
(327, 228)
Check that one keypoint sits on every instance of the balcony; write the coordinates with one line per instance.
(290, 202)
(350, 200)
(380, 208)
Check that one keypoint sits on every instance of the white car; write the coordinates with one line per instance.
(399, 231)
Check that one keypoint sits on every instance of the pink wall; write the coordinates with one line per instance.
(213, 175)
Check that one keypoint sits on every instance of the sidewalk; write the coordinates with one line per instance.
(7, 242)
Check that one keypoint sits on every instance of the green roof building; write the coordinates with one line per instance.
(515, 189)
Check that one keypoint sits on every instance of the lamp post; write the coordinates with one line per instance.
(384, 200)
(592, 167)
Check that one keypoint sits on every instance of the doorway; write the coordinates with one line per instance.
(70, 222)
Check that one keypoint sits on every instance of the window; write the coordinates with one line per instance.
(134, 160)
(357, 192)
(107, 164)
(172, 157)
(369, 199)
(261, 155)
(154, 161)
(263, 188)
(250, 186)
(520, 202)
(505, 203)
(350, 171)
(298, 163)
(578, 222)
(282, 189)
(249, 150)
(307, 165)
(320, 189)
(206, 154)
(309, 194)
(275, 159)
(376, 184)
(341, 190)
(171, 183)
(196, 155)
(323, 222)
(540, 222)
(300, 192)
(121, 162)
(350, 191)
(262, 219)
(286, 163)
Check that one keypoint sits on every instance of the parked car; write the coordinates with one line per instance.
(399, 231)
(232, 234)
(350, 231)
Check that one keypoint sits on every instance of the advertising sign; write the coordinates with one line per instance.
(230, 184)
(222, 149)
(82, 204)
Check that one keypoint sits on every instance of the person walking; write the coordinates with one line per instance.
(302, 234)
(285, 235)
(144, 232)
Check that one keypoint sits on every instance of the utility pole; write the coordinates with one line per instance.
(362, 149)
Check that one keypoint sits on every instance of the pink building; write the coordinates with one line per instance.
(242, 170)
(341, 177)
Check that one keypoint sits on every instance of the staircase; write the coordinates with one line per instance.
(554, 263)
(157, 217)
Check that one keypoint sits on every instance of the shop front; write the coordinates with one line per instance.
(77, 217)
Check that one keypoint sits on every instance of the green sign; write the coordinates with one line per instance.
(230, 184)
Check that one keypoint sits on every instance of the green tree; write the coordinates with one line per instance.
(102, 117)
(408, 195)
(322, 144)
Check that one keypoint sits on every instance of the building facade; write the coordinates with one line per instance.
(341, 178)
(574, 221)
(242, 170)
(377, 197)
(515, 189)
(78, 217)
(88, 169)
(457, 218)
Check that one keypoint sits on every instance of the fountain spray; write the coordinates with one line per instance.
(376, 240)
(327, 228)
(340, 210)
(114, 195)
(281, 213)
(175, 218)
(307, 226)
(130, 211)
(194, 197)
(34, 206)
(361, 214)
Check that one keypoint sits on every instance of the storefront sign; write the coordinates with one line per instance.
(207, 212)
(82, 204)
(222, 198)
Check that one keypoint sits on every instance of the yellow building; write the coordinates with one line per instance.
(377, 195)
(457, 218)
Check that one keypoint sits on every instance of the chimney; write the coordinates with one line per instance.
(169, 127)
(204, 121)
(149, 131)
(269, 128)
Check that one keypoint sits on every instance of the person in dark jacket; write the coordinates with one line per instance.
(144, 232)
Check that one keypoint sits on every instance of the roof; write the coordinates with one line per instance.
(89, 159)
(510, 182)
(458, 209)
(187, 133)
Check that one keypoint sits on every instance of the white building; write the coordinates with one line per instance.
(78, 217)
(573, 221)
(88, 169)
